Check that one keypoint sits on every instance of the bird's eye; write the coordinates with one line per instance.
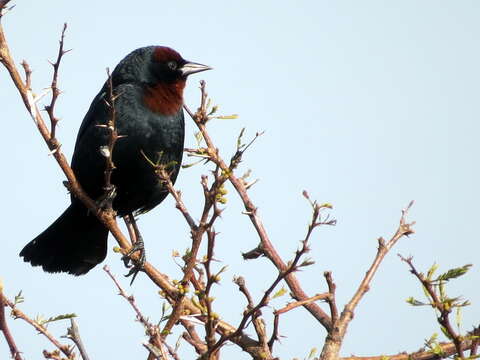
(172, 65)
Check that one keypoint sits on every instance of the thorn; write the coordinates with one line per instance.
(31, 103)
(54, 150)
(42, 95)
(250, 184)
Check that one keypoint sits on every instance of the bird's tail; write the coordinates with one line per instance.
(74, 243)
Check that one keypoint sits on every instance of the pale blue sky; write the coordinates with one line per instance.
(367, 105)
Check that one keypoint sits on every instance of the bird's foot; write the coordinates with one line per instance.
(135, 264)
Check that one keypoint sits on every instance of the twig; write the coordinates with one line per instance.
(335, 336)
(192, 337)
(177, 311)
(437, 303)
(6, 331)
(276, 320)
(55, 91)
(131, 300)
(255, 315)
(331, 299)
(155, 345)
(172, 352)
(18, 314)
(296, 304)
(107, 150)
(163, 174)
(74, 334)
(211, 323)
(275, 336)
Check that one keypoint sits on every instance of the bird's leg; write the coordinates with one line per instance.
(137, 245)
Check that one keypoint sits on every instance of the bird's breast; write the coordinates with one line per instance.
(164, 99)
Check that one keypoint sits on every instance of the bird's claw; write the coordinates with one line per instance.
(135, 265)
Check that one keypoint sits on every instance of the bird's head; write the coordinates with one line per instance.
(168, 66)
(162, 72)
(153, 65)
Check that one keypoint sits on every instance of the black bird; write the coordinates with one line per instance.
(149, 83)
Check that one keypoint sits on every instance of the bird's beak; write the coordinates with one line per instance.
(192, 68)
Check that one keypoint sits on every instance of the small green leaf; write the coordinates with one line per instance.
(415, 302)
(307, 262)
(326, 206)
(458, 317)
(425, 291)
(199, 137)
(437, 349)
(42, 321)
(226, 117)
(18, 298)
(454, 273)
(239, 139)
(214, 110)
(433, 338)
(431, 271)
(442, 290)
(280, 293)
(186, 166)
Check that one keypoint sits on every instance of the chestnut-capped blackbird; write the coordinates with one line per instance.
(149, 83)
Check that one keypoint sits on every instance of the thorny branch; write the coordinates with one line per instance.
(18, 314)
(55, 90)
(153, 331)
(335, 337)
(107, 150)
(74, 334)
(444, 307)
(201, 117)
(331, 298)
(5, 330)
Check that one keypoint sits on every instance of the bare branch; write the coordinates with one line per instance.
(335, 337)
(296, 304)
(107, 150)
(55, 90)
(192, 337)
(131, 300)
(4, 328)
(331, 299)
(18, 314)
(74, 334)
